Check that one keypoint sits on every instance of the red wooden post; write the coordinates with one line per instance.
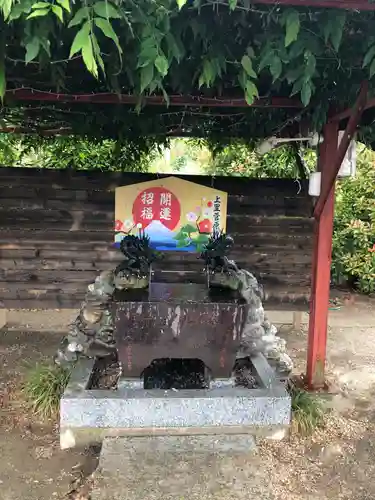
(321, 265)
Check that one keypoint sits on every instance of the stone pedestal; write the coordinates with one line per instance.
(88, 416)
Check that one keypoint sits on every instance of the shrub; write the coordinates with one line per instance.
(353, 253)
(43, 388)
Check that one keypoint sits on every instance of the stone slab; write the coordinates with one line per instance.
(85, 413)
(115, 451)
(181, 468)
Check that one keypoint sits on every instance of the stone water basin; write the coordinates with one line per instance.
(178, 320)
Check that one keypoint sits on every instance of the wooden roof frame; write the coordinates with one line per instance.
(327, 4)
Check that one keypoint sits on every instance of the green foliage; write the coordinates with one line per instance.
(175, 46)
(79, 153)
(43, 388)
(307, 410)
(238, 158)
(353, 254)
(9, 149)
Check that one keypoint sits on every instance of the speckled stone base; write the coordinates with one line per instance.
(90, 415)
(180, 468)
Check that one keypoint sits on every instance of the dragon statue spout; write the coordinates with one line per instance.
(91, 334)
(258, 335)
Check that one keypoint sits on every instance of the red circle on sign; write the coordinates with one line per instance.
(157, 204)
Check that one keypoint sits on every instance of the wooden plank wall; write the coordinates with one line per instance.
(56, 232)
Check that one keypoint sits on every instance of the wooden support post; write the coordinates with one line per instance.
(321, 265)
(331, 155)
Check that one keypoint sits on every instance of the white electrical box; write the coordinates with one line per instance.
(315, 182)
(349, 165)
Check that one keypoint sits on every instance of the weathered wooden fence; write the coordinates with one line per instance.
(56, 233)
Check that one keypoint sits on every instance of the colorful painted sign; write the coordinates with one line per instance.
(174, 213)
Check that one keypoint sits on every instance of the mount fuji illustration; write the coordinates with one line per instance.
(161, 237)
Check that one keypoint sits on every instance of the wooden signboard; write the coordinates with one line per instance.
(177, 215)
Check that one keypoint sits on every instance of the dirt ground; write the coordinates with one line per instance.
(337, 462)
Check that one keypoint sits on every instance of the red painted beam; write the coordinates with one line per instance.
(321, 265)
(343, 115)
(154, 100)
(338, 158)
(325, 4)
(43, 132)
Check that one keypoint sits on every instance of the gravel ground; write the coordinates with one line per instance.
(337, 462)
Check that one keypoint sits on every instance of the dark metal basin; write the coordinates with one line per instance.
(180, 320)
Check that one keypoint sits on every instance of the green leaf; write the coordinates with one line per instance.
(108, 31)
(306, 92)
(208, 73)
(32, 49)
(88, 57)
(65, 4)
(97, 53)
(217, 66)
(338, 29)
(248, 66)
(250, 52)
(107, 10)
(242, 79)
(310, 65)
(327, 30)
(165, 95)
(372, 69)
(297, 49)
(276, 67)
(57, 10)
(369, 56)
(266, 60)
(161, 64)
(2, 79)
(293, 74)
(24, 7)
(41, 5)
(147, 75)
(181, 3)
(145, 60)
(82, 14)
(80, 39)
(251, 92)
(38, 13)
(175, 47)
(292, 27)
(6, 7)
(297, 87)
(232, 4)
(148, 53)
(46, 44)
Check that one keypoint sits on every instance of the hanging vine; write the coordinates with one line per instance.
(185, 46)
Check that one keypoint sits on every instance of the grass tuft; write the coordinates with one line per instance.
(43, 388)
(307, 411)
